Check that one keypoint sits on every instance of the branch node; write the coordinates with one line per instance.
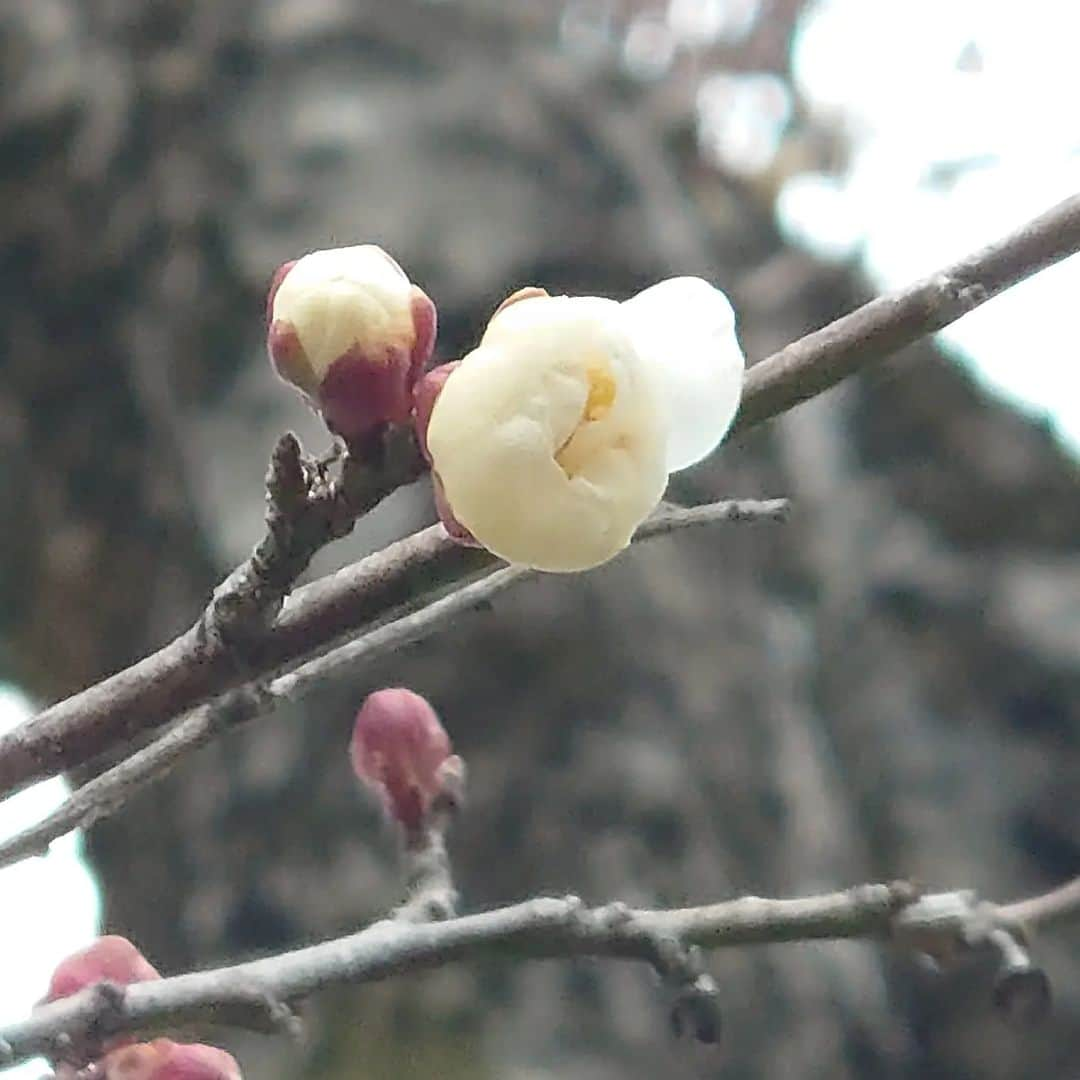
(903, 893)
(110, 998)
(695, 995)
(280, 1015)
(576, 909)
(614, 916)
(1023, 996)
(429, 876)
(696, 1011)
(107, 1019)
(1021, 989)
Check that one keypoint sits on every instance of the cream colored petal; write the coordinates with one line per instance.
(685, 328)
(345, 298)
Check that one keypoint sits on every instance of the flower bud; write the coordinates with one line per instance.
(109, 959)
(400, 749)
(164, 1059)
(685, 329)
(424, 397)
(548, 439)
(348, 328)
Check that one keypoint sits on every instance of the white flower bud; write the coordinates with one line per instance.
(548, 438)
(348, 328)
(685, 329)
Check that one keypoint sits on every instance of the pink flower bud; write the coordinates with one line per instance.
(109, 959)
(164, 1059)
(425, 394)
(399, 748)
(139, 1061)
(348, 329)
(424, 397)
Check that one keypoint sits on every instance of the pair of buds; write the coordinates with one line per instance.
(115, 961)
(554, 438)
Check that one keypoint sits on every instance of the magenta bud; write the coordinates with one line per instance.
(425, 395)
(348, 329)
(454, 529)
(399, 750)
(109, 959)
(164, 1059)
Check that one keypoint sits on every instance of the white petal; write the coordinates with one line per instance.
(548, 438)
(685, 329)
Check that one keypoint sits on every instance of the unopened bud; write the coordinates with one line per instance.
(164, 1059)
(399, 750)
(348, 328)
(109, 959)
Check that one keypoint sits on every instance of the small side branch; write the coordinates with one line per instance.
(307, 508)
(542, 928)
(1061, 905)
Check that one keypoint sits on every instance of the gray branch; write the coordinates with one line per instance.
(257, 993)
(886, 325)
(105, 794)
(198, 666)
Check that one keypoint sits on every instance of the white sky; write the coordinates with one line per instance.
(48, 906)
(898, 76)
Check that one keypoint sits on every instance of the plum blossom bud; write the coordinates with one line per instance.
(685, 328)
(164, 1059)
(401, 751)
(549, 439)
(348, 328)
(109, 959)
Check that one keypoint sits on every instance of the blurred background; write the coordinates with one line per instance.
(885, 687)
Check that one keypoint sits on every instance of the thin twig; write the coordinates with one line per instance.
(884, 326)
(194, 668)
(540, 928)
(105, 794)
(1061, 905)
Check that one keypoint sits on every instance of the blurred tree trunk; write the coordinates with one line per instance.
(884, 687)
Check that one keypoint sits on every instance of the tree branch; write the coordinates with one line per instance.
(307, 508)
(884, 326)
(1061, 905)
(243, 994)
(197, 666)
(105, 794)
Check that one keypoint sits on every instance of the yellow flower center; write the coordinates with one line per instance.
(601, 392)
